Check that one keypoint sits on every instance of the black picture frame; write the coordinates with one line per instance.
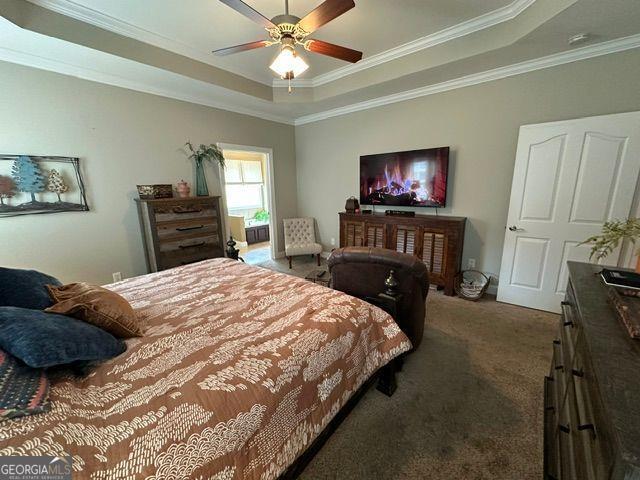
(40, 204)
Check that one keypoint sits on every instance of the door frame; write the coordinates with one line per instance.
(270, 183)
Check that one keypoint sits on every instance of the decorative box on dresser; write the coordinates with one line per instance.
(592, 393)
(435, 240)
(179, 231)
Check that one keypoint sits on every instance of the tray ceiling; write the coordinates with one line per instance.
(199, 26)
(163, 47)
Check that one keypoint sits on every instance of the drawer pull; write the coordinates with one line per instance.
(587, 426)
(567, 304)
(564, 428)
(194, 245)
(556, 342)
(187, 210)
(581, 410)
(577, 373)
(186, 229)
(568, 323)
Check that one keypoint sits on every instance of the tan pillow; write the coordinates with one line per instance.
(97, 306)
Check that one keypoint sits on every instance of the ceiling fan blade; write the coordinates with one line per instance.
(242, 48)
(335, 51)
(323, 14)
(241, 7)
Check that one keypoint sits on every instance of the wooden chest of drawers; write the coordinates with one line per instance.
(592, 393)
(179, 231)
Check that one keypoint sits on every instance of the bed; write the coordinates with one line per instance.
(239, 371)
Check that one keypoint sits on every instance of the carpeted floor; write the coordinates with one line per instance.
(468, 404)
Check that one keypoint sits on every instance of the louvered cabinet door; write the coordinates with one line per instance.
(352, 234)
(433, 253)
(375, 234)
(436, 241)
(404, 239)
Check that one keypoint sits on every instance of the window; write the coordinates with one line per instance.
(244, 184)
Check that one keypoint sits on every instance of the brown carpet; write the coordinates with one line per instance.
(468, 404)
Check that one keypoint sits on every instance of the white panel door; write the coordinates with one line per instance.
(569, 178)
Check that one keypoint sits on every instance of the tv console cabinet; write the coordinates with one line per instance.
(437, 240)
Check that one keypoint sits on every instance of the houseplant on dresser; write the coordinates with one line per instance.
(614, 232)
(199, 155)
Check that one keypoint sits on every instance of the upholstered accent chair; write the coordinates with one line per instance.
(361, 272)
(300, 238)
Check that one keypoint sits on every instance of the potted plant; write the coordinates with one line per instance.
(262, 215)
(613, 233)
(203, 152)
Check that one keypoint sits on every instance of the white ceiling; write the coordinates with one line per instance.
(373, 26)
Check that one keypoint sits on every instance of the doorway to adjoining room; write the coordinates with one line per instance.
(247, 193)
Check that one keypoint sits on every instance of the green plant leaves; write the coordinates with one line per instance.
(206, 152)
(613, 232)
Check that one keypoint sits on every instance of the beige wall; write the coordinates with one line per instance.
(480, 123)
(122, 138)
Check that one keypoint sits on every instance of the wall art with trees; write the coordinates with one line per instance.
(32, 184)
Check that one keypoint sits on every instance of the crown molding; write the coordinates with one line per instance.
(584, 53)
(35, 61)
(98, 19)
(495, 17)
(91, 16)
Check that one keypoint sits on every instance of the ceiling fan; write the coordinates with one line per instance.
(288, 30)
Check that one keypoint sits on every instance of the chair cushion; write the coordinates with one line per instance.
(97, 306)
(43, 339)
(23, 390)
(25, 288)
(302, 249)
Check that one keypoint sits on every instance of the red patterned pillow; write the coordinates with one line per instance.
(23, 390)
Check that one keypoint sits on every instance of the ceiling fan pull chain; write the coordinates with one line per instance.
(289, 84)
(286, 7)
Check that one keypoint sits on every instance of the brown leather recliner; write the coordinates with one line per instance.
(361, 272)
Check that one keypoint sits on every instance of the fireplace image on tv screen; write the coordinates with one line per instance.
(405, 179)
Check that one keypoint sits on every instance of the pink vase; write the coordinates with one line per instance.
(183, 189)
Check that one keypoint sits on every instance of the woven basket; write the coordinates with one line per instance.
(152, 192)
(471, 285)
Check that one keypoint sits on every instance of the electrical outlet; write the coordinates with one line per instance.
(117, 276)
(333, 241)
(471, 263)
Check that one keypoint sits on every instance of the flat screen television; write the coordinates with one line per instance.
(417, 178)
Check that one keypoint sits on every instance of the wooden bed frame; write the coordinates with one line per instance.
(385, 378)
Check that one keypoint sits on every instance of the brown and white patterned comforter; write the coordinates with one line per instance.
(239, 370)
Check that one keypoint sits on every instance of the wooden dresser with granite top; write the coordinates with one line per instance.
(592, 393)
(179, 231)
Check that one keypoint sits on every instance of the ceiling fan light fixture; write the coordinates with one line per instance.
(288, 64)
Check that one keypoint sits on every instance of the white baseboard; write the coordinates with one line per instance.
(280, 255)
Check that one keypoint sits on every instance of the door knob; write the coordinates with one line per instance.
(513, 228)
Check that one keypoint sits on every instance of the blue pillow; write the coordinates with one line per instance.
(25, 288)
(43, 339)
